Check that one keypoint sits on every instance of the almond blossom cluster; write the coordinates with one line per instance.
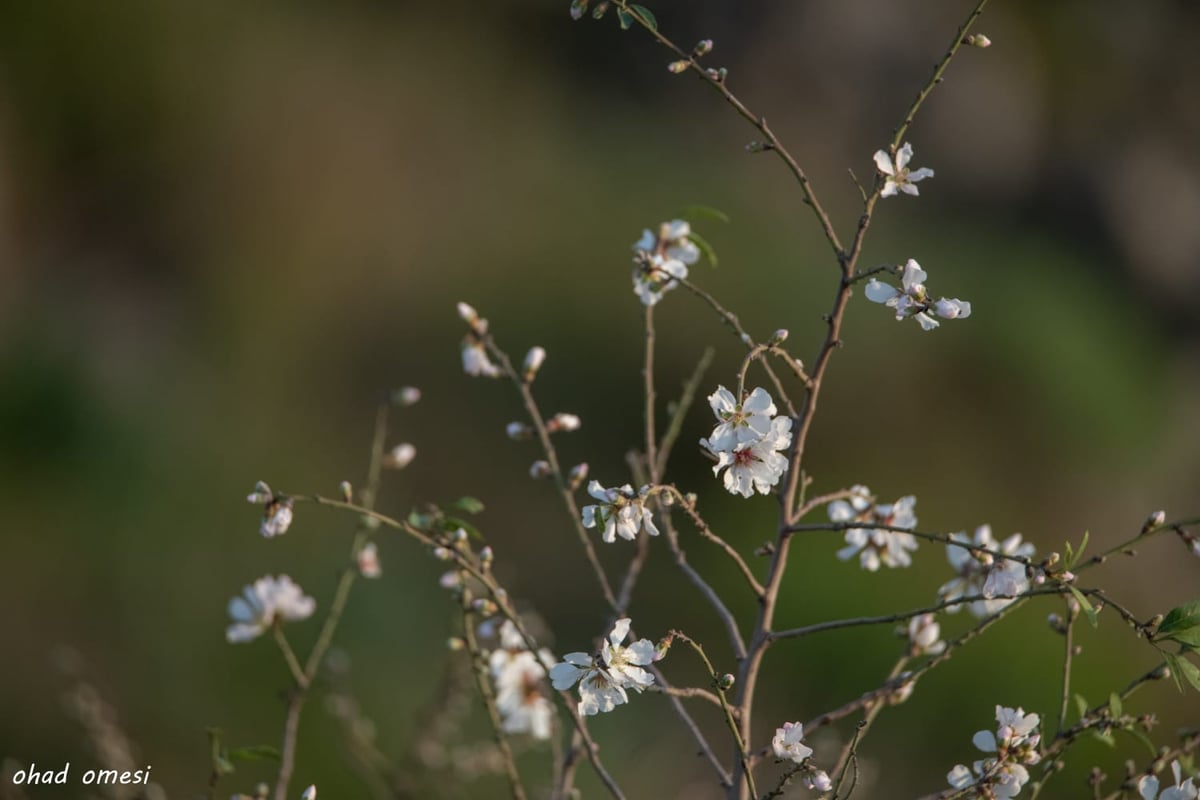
(277, 510)
(1148, 786)
(996, 580)
(1013, 746)
(876, 547)
(620, 512)
(748, 441)
(518, 675)
(604, 677)
(912, 300)
(788, 745)
(662, 259)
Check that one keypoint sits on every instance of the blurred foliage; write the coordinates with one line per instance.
(225, 230)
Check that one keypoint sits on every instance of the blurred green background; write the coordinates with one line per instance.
(226, 228)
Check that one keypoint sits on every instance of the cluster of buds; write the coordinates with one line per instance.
(475, 359)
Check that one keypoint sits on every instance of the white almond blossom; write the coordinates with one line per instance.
(739, 421)
(912, 300)
(898, 177)
(925, 636)
(264, 603)
(670, 242)
(654, 276)
(604, 678)
(1148, 787)
(277, 510)
(996, 580)
(1013, 746)
(787, 743)
(874, 547)
(754, 465)
(518, 675)
(310, 793)
(620, 512)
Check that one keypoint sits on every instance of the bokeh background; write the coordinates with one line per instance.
(227, 228)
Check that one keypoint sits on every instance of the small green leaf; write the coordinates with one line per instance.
(1105, 737)
(1081, 705)
(1070, 555)
(646, 16)
(1173, 662)
(1191, 673)
(705, 212)
(625, 18)
(705, 247)
(258, 752)
(420, 521)
(600, 9)
(467, 505)
(1088, 609)
(222, 765)
(1144, 739)
(1114, 705)
(1182, 620)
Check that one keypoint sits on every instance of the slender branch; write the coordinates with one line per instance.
(686, 398)
(702, 527)
(1068, 656)
(648, 374)
(289, 655)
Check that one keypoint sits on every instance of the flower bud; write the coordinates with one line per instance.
(443, 554)
(406, 396)
(456, 643)
(578, 9)
(400, 456)
(1153, 521)
(487, 556)
(578, 475)
(725, 682)
(779, 336)
(540, 469)
(261, 495)
(600, 9)
(451, 580)
(517, 431)
(978, 40)
(818, 780)
(309, 794)
(679, 66)
(458, 536)
(368, 561)
(563, 422)
(484, 606)
(533, 362)
(702, 48)
(346, 491)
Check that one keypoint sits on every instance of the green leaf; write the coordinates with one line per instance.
(625, 18)
(222, 765)
(1191, 673)
(646, 15)
(1081, 705)
(1144, 739)
(467, 505)
(704, 212)
(258, 752)
(1088, 609)
(420, 521)
(1173, 662)
(705, 247)
(1105, 737)
(1114, 705)
(1184, 622)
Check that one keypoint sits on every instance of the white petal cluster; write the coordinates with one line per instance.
(876, 547)
(620, 512)
(277, 510)
(1148, 786)
(661, 259)
(788, 743)
(518, 675)
(748, 441)
(897, 175)
(997, 580)
(604, 678)
(1013, 746)
(912, 300)
(267, 601)
(475, 359)
(925, 636)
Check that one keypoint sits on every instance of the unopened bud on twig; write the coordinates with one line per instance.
(406, 396)
(540, 469)
(779, 336)
(533, 362)
(725, 682)
(400, 456)
(678, 67)
(1153, 521)
(563, 422)
(702, 48)
(346, 491)
(518, 431)
(486, 556)
(978, 40)
(578, 475)
(578, 9)
(455, 643)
